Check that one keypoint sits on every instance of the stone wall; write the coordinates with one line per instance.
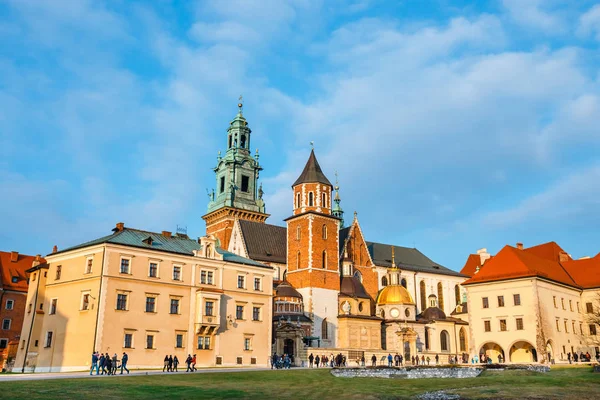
(431, 371)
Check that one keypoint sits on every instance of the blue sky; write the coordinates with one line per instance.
(453, 125)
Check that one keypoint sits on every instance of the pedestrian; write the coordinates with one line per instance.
(417, 360)
(101, 363)
(401, 360)
(428, 360)
(422, 360)
(569, 357)
(362, 360)
(317, 359)
(175, 363)
(188, 361)
(124, 360)
(170, 365)
(311, 359)
(166, 364)
(194, 363)
(108, 363)
(115, 362)
(412, 359)
(94, 363)
(374, 360)
(397, 360)
(437, 359)
(389, 358)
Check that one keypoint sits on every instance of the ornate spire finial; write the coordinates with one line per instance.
(393, 258)
(241, 103)
(312, 145)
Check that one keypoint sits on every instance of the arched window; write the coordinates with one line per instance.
(426, 338)
(324, 330)
(457, 294)
(360, 306)
(298, 200)
(230, 141)
(323, 200)
(358, 275)
(403, 282)
(324, 231)
(243, 141)
(463, 339)
(298, 233)
(324, 259)
(298, 261)
(444, 341)
(423, 295)
(384, 281)
(310, 199)
(440, 295)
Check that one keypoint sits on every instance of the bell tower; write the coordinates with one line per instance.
(313, 247)
(237, 195)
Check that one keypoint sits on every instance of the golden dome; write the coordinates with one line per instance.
(395, 294)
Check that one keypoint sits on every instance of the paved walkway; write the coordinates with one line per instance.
(71, 375)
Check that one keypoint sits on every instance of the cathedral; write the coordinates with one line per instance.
(334, 291)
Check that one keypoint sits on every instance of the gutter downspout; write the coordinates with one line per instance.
(98, 303)
(31, 327)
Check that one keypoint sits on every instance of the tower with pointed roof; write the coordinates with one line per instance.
(337, 208)
(237, 195)
(313, 243)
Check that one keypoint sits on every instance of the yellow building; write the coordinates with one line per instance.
(149, 295)
(532, 305)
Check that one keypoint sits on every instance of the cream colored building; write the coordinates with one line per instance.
(149, 295)
(530, 305)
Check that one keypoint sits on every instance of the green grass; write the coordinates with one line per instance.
(560, 383)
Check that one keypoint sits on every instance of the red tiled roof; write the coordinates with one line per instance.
(473, 261)
(512, 263)
(586, 272)
(549, 251)
(10, 269)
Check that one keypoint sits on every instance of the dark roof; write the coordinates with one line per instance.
(352, 287)
(312, 172)
(174, 244)
(284, 289)
(343, 236)
(293, 317)
(432, 314)
(265, 242)
(465, 309)
(406, 258)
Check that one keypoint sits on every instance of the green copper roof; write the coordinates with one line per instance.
(178, 244)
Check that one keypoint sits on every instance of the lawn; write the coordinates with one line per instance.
(560, 383)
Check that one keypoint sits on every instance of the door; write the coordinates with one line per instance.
(288, 347)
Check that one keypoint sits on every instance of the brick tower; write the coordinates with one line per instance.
(238, 195)
(313, 243)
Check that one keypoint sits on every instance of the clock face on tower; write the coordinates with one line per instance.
(394, 313)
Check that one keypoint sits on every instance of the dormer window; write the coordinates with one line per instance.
(14, 279)
(148, 240)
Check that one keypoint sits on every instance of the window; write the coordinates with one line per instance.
(209, 308)
(578, 308)
(502, 325)
(500, 301)
(179, 341)
(403, 282)
(297, 200)
(174, 306)
(457, 294)
(487, 326)
(203, 342)
(255, 313)
(124, 265)
(58, 272)
(298, 235)
(324, 231)
(324, 330)
(324, 259)
(153, 270)
(241, 282)
(519, 324)
(6, 324)
(444, 341)
(554, 301)
(257, 284)
(589, 308)
(581, 328)
(33, 277)
(149, 341)
(247, 344)
(517, 299)
(150, 304)
(176, 273)
(128, 340)
(324, 202)
(485, 302)
(440, 295)
(384, 281)
(121, 302)
(243, 141)
(557, 326)
(239, 312)
(592, 329)
(566, 326)
(571, 305)
(14, 279)
(48, 342)
(423, 294)
(310, 199)
(298, 258)
(53, 306)
(573, 326)
(85, 301)
(29, 307)
(203, 277)
(462, 339)
(245, 183)
(209, 278)
(10, 304)
(562, 302)
(88, 266)
(41, 306)
(4, 343)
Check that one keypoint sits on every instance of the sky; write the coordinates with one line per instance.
(452, 125)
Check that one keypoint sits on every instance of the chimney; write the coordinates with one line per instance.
(14, 256)
(54, 249)
(36, 261)
(120, 226)
(520, 246)
(563, 256)
(483, 255)
(166, 234)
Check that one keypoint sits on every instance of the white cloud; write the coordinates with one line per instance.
(589, 23)
(531, 14)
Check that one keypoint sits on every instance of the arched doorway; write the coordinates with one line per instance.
(522, 351)
(549, 351)
(492, 350)
(288, 347)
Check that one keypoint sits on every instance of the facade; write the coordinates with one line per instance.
(149, 295)
(14, 281)
(533, 304)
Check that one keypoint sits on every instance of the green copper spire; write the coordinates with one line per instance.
(237, 172)
(337, 209)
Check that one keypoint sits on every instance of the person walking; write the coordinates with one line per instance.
(428, 360)
(374, 360)
(166, 364)
(194, 363)
(569, 357)
(362, 360)
(170, 364)
(317, 360)
(188, 362)
(124, 360)
(311, 359)
(101, 363)
(94, 363)
(422, 360)
(401, 360)
(437, 359)
(115, 363)
(175, 364)
(108, 363)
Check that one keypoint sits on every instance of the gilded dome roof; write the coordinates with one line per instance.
(394, 294)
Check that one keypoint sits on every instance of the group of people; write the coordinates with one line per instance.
(587, 357)
(284, 361)
(327, 361)
(398, 360)
(170, 364)
(105, 365)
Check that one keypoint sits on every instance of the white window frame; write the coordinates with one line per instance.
(243, 276)
(126, 300)
(260, 283)
(87, 260)
(153, 334)
(182, 333)
(171, 298)
(248, 339)
(132, 339)
(12, 304)
(180, 272)
(259, 312)
(9, 324)
(46, 344)
(152, 296)
(129, 265)
(157, 269)
(83, 293)
(55, 308)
